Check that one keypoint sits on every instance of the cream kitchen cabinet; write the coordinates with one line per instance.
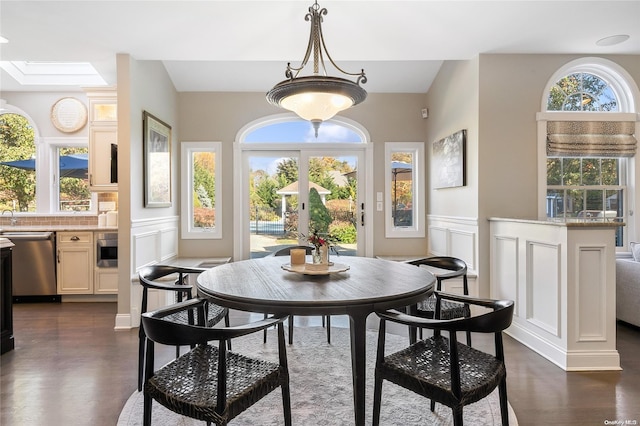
(106, 281)
(75, 262)
(103, 139)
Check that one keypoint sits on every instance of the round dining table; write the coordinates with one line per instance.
(364, 285)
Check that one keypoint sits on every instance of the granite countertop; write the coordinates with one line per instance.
(32, 228)
(569, 223)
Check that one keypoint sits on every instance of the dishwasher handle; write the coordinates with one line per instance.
(32, 236)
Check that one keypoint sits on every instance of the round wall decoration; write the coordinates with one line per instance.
(69, 115)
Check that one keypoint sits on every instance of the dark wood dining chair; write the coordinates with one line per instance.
(209, 382)
(440, 368)
(447, 268)
(150, 278)
(286, 251)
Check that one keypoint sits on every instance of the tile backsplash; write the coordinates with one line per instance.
(5, 219)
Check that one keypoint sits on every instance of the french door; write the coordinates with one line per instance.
(285, 193)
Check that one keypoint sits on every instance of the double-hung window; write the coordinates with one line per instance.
(588, 143)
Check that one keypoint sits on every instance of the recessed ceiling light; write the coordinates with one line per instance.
(612, 40)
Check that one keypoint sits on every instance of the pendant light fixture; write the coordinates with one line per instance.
(317, 97)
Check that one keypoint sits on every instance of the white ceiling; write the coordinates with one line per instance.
(214, 45)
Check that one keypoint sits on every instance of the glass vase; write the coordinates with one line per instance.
(316, 256)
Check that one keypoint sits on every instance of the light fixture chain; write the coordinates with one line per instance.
(317, 98)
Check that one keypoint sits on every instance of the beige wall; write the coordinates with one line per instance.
(219, 117)
(496, 98)
(453, 105)
(38, 106)
(142, 85)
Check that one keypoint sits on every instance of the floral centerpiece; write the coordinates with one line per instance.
(322, 243)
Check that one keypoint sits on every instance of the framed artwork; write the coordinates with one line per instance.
(156, 143)
(449, 161)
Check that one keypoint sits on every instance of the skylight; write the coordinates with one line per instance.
(53, 73)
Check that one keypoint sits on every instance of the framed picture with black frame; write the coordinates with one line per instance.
(156, 143)
(449, 161)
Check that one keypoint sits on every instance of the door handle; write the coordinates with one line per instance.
(362, 214)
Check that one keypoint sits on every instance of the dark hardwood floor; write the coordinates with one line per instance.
(71, 368)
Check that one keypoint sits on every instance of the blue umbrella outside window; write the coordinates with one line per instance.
(75, 165)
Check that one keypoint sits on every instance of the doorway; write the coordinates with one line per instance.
(291, 188)
(294, 192)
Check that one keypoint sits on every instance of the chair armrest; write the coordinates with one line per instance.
(172, 333)
(189, 270)
(487, 303)
(496, 320)
(185, 288)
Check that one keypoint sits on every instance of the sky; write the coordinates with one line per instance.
(299, 131)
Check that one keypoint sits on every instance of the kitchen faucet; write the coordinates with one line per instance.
(14, 220)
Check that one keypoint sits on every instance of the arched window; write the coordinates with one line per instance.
(589, 134)
(17, 151)
(36, 175)
(582, 91)
(285, 129)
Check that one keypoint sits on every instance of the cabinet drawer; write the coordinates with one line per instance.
(74, 237)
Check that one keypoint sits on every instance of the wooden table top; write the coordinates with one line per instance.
(261, 285)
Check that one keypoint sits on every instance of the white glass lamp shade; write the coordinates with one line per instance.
(315, 106)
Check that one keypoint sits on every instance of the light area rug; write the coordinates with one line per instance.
(321, 388)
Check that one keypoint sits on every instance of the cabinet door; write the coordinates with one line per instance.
(106, 281)
(75, 270)
(100, 140)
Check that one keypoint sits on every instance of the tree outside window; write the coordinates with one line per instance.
(17, 186)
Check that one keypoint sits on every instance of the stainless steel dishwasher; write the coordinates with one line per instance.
(34, 266)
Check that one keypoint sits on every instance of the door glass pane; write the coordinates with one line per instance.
(273, 203)
(332, 200)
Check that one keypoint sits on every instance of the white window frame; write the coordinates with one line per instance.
(621, 82)
(417, 229)
(187, 190)
(51, 169)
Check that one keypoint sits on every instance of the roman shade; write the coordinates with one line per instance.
(591, 139)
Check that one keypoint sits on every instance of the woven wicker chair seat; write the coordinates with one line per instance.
(448, 309)
(188, 385)
(215, 314)
(424, 368)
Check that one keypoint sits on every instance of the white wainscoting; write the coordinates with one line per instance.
(562, 279)
(153, 241)
(456, 237)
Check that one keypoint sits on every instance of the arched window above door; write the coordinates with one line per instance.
(290, 129)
